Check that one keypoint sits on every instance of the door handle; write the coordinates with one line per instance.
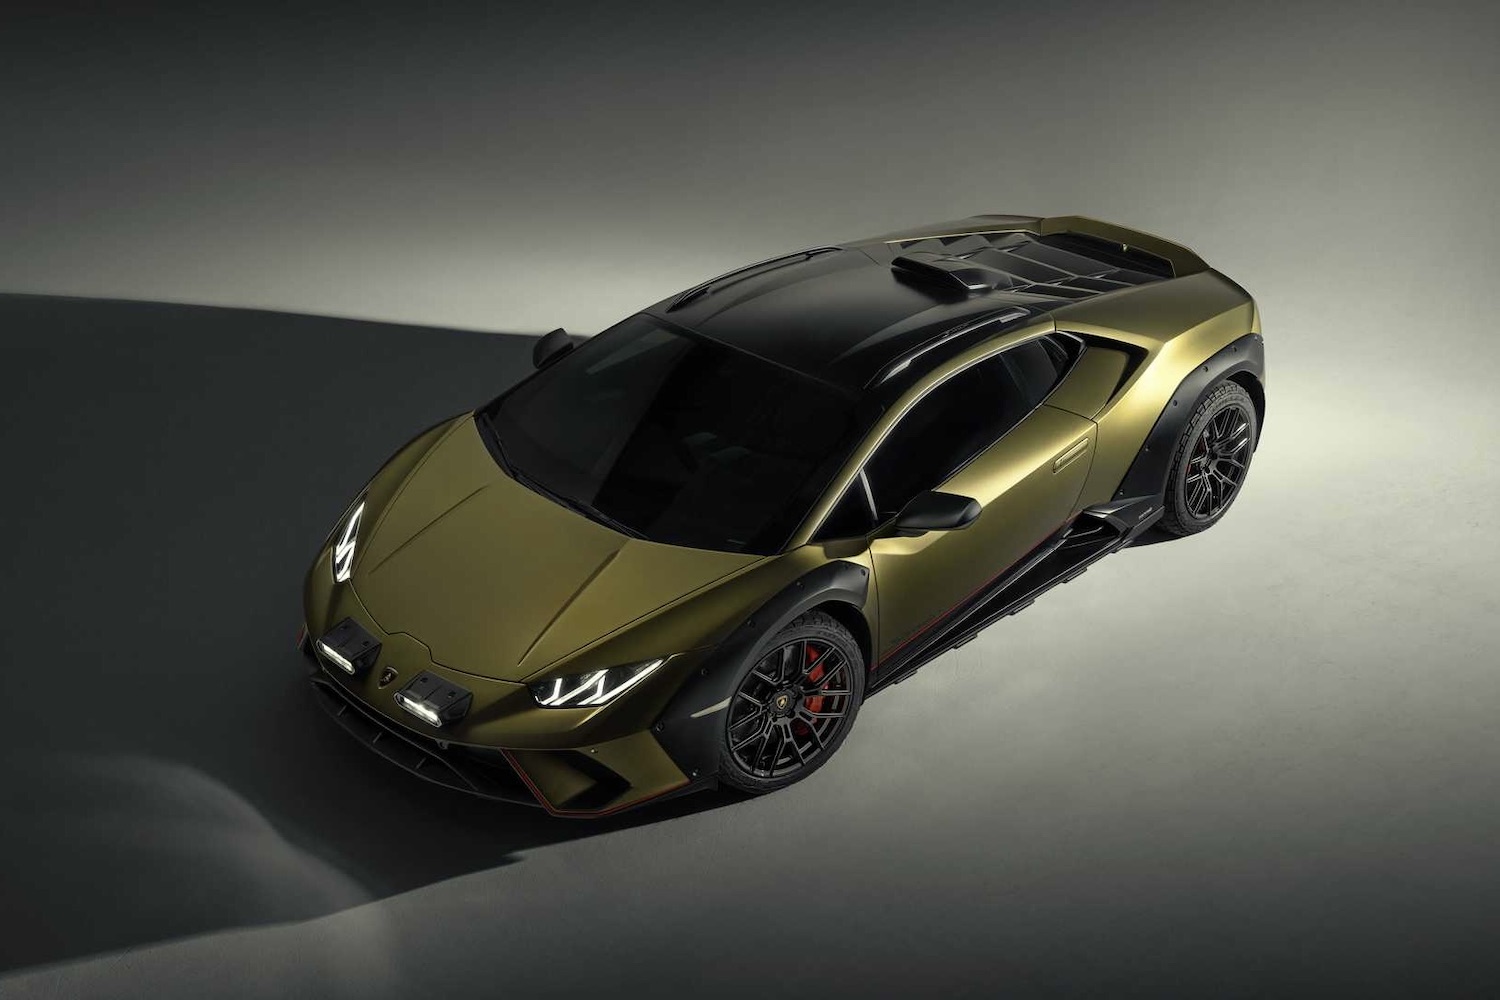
(1074, 451)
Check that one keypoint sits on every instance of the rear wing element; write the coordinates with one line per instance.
(1183, 260)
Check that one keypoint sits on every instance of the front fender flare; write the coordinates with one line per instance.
(688, 728)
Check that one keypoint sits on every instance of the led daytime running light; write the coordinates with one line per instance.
(343, 548)
(598, 687)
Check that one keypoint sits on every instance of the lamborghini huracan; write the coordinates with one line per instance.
(682, 553)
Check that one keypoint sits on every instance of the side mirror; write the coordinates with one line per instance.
(551, 347)
(932, 511)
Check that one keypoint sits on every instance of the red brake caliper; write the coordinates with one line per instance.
(815, 703)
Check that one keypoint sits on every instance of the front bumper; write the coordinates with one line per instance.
(572, 762)
(478, 773)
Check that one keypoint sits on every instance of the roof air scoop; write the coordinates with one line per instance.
(954, 273)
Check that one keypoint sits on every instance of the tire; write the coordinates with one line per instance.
(1211, 460)
(798, 660)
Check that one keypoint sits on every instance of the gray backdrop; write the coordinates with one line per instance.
(1259, 760)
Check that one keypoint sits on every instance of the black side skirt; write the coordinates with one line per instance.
(1091, 536)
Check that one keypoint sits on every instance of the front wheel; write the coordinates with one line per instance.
(793, 705)
(1211, 460)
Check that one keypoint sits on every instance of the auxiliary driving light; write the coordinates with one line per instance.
(434, 700)
(349, 647)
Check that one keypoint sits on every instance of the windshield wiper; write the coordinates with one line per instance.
(577, 506)
(509, 468)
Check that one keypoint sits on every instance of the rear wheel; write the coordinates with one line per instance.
(792, 706)
(1211, 460)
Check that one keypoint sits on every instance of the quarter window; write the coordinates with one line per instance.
(1038, 365)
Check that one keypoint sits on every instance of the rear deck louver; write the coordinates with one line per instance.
(1063, 265)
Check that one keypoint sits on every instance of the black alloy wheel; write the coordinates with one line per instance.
(1218, 462)
(794, 705)
(1211, 461)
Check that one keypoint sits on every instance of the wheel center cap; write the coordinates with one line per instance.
(782, 702)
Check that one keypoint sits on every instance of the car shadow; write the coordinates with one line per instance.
(174, 468)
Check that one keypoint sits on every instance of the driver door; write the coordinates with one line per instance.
(982, 433)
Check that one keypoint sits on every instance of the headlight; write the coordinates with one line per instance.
(598, 687)
(343, 547)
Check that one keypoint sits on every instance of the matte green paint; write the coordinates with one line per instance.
(465, 572)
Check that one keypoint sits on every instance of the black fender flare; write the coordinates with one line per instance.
(1147, 475)
(688, 728)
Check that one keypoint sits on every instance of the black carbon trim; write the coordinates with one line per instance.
(466, 769)
(1062, 557)
(693, 743)
(1148, 473)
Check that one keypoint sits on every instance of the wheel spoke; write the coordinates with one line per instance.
(759, 734)
(761, 751)
(831, 661)
(768, 744)
(791, 659)
(819, 686)
(753, 713)
(761, 723)
(791, 739)
(783, 737)
(1196, 495)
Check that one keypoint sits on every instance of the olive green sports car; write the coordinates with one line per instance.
(684, 551)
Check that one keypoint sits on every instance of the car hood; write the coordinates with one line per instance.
(499, 581)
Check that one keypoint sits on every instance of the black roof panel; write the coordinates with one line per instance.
(846, 314)
(841, 317)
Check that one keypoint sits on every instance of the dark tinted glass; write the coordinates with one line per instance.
(946, 428)
(677, 437)
(850, 517)
(1037, 366)
(937, 437)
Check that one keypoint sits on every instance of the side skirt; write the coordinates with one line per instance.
(1062, 557)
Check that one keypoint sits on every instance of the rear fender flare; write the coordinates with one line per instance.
(1147, 475)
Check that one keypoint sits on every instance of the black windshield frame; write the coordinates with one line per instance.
(796, 427)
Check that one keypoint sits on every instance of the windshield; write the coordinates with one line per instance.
(676, 438)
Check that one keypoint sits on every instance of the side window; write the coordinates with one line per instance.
(937, 437)
(943, 431)
(1038, 365)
